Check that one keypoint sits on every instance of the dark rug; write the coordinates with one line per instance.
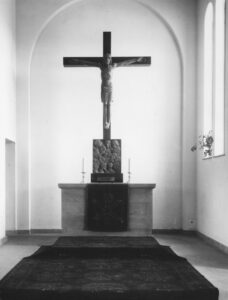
(105, 273)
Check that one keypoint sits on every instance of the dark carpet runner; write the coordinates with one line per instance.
(89, 268)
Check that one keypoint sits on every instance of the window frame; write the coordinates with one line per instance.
(209, 113)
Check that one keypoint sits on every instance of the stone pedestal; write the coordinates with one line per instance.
(139, 212)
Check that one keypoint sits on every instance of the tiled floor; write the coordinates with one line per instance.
(212, 263)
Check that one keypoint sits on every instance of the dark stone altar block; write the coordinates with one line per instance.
(107, 207)
(107, 161)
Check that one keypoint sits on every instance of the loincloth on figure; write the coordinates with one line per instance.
(106, 94)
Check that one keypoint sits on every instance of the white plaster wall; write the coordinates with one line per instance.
(7, 95)
(212, 188)
(10, 186)
(54, 119)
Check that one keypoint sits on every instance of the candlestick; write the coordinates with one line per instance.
(129, 170)
(83, 170)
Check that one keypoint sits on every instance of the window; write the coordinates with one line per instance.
(208, 69)
(214, 73)
(219, 77)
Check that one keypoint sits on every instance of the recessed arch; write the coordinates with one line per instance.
(68, 5)
(153, 12)
(178, 66)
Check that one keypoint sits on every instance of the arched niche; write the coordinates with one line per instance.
(66, 110)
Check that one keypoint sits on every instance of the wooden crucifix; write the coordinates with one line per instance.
(106, 64)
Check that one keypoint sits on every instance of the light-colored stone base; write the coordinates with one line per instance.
(139, 210)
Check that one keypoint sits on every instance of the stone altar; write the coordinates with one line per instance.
(140, 200)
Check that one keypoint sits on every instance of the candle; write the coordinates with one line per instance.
(129, 165)
(83, 167)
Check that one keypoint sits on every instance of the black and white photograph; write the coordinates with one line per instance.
(113, 150)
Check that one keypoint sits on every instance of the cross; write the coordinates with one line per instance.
(106, 64)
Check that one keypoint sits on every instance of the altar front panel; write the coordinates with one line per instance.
(107, 207)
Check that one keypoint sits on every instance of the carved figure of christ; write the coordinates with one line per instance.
(106, 64)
